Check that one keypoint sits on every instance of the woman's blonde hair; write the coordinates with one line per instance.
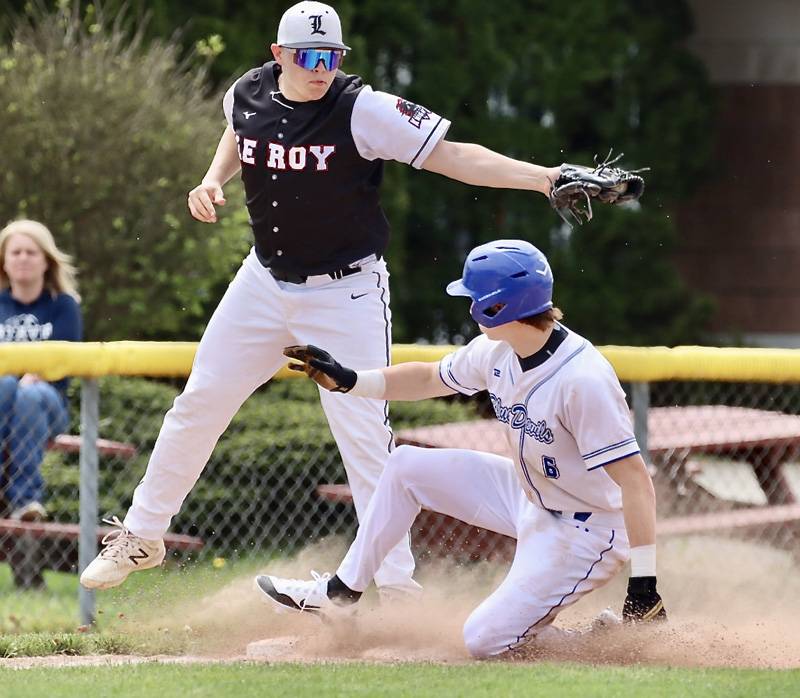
(60, 274)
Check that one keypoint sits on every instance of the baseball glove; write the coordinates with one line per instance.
(321, 367)
(643, 602)
(572, 193)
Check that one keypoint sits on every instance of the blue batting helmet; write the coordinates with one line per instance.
(507, 280)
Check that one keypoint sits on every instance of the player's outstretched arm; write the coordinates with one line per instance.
(643, 602)
(479, 166)
(415, 380)
(208, 194)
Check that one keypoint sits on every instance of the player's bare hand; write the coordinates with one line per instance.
(203, 199)
(552, 174)
(321, 367)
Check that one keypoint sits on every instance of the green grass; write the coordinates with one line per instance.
(485, 679)
(72, 644)
(52, 610)
(55, 610)
(162, 589)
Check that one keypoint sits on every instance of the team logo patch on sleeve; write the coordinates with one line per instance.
(415, 113)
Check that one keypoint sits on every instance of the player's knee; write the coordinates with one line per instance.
(476, 640)
(483, 636)
(206, 401)
(401, 461)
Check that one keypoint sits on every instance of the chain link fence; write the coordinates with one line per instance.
(724, 458)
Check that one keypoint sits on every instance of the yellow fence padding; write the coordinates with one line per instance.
(731, 364)
(54, 360)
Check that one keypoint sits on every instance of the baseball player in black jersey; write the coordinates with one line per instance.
(310, 142)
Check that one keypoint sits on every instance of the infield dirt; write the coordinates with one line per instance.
(731, 604)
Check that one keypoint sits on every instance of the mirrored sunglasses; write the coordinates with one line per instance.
(309, 58)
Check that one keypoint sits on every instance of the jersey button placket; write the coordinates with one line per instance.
(275, 228)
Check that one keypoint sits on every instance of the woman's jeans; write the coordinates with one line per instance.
(30, 416)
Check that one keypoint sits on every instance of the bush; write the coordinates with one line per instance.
(258, 488)
(102, 135)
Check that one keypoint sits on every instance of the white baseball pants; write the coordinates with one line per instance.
(557, 560)
(240, 350)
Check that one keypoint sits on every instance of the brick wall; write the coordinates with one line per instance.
(741, 242)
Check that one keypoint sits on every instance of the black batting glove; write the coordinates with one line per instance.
(321, 367)
(643, 602)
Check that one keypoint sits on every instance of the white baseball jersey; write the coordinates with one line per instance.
(565, 413)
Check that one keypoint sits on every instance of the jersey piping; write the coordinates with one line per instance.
(424, 145)
(613, 460)
(523, 464)
(472, 391)
(522, 637)
(600, 451)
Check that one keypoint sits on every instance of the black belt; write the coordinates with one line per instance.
(292, 278)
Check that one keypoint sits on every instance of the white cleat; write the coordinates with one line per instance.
(397, 596)
(605, 620)
(123, 553)
(303, 596)
(602, 623)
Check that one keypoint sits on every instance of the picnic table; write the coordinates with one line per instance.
(675, 435)
(763, 438)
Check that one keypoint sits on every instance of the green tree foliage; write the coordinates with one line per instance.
(548, 82)
(275, 452)
(102, 135)
(538, 81)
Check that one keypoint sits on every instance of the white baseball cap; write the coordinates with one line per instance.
(310, 25)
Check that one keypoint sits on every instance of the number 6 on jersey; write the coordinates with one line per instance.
(550, 468)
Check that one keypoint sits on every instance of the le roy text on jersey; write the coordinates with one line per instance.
(297, 157)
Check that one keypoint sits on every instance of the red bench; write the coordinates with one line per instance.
(763, 438)
(69, 443)
(32, 546)
(71, 532)
(438, 535)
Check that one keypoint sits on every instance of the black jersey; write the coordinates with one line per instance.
(312, 170)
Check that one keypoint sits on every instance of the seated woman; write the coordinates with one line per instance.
(38, 302)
